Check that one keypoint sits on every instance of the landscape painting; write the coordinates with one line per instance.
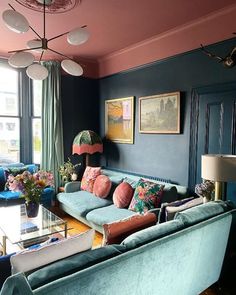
(119, 115)
(160, 113)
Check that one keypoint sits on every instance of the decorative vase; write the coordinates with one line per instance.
(74, 176)
(32, 209)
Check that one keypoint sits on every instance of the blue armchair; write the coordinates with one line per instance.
(8, 197)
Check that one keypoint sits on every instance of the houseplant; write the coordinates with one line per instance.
(68, 171)
(31, 187)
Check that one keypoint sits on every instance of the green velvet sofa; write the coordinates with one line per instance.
(95, 211)
(179, 257)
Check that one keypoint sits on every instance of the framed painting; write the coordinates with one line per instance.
(160, 113)
(119, 120)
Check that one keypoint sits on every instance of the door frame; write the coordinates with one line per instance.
(196, 94)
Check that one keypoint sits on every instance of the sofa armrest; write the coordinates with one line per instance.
(71, 187)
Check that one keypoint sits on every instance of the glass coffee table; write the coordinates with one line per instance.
(23, 231)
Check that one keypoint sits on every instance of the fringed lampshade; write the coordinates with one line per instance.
(87, 142)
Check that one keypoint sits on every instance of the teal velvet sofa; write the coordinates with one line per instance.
(8, 197)
(95, 211)
(179, 257)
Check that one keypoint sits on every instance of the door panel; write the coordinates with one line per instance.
(213, 120)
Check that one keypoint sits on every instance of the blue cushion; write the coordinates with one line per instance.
(72, 264)
(152, 233)
(108, 214)
(9, 195)
(5, 268)
(82, 201)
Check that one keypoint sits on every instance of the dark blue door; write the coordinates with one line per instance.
(213, 118)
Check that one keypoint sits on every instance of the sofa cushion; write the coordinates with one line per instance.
(82, 201)
(108, 214)
(116, 232)
(163, 214)
(202, 212)
(5, 267)
(147, 195)
(152, 233)
(172, 210)
(170, 193)
(32, 259)
(102, 186)
(72, 264)
(89, 177)
(123, 195)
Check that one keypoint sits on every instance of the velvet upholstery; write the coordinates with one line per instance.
(72, 264)
(108, 214)
(83, 201)
(84, 205)
(182, 263)
(151, 233)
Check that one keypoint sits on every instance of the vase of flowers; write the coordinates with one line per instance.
(205, 190)
(31, 187)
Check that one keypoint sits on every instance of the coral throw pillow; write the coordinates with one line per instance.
(102, 186)
(123, 195)
(89, 177)
(147, 195)
(116, 232)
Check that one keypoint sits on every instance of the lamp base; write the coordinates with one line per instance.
(220, 190)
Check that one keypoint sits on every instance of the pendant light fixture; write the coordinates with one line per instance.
(23, 58)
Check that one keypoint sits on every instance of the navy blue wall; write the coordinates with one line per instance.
(80, 110)
(165, 156)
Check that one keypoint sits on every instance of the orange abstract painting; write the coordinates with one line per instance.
(119, 119)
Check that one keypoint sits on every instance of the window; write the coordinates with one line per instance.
(20, 116)
(9, 116)
(36, 120)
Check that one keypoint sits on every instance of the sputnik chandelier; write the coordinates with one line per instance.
(22, 58)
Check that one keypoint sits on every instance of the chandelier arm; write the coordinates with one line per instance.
(29, 25)
(24, 49)
(84, 26)
(41, 56)
(44, 19)
(58, 36)
(60, 54)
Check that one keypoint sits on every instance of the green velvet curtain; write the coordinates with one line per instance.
(52, 132)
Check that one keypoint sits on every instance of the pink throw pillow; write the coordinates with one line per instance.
(122, 195)
(116, 232)
(102, 186)
(89, 177)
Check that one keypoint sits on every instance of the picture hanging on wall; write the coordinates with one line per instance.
(160, 113)
(119, 120)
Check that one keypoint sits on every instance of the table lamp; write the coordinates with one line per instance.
(219, 168)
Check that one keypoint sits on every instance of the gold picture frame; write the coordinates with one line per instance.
(160, 113)
(119, 120)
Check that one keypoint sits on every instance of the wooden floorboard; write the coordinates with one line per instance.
(76, 227)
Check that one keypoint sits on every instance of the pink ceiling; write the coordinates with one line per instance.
(128, 33)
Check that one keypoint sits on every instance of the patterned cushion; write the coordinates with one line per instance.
(89, 177)
(172, 210)
(102, 186)
(163, 215)
(147, 195)
(116, 232)
(123, 195)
